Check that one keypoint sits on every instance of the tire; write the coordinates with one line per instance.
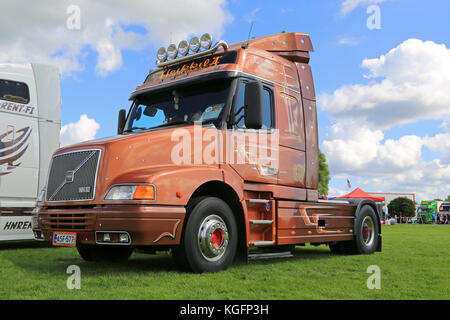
(337, 248)
(367, 230)
(210, 238)
(85, 252)
(101, 253)
(365, 241)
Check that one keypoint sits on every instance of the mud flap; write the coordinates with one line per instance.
(379, 243)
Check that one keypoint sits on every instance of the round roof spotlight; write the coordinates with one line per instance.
(206, 41)
(162, 54)
(183, 47)
(172, 51)
(194, 44)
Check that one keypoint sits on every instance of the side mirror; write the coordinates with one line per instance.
(121, 121)
(253, 105)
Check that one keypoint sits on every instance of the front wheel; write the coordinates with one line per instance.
(209, 241)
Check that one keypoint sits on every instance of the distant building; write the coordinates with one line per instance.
(389, 196)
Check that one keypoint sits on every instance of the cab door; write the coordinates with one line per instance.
(253, 154)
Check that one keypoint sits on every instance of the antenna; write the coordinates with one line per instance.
(245, 45)
(250, 32)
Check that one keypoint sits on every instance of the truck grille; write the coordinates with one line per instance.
(67, 221)
(70, 218)
(73, 176)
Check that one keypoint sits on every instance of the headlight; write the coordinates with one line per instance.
(206, 41)
(172, 51)
(162, 54)
(131, 192)
(194, 44)
(183, 47)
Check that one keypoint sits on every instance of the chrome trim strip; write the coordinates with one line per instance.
(333, 201)
(172, 235)
(319, 236)
(221, 43)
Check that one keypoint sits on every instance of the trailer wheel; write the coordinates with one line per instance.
(104, 253)
(209, 241)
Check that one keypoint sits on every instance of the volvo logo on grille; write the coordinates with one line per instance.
(84, 189)
(69, 176)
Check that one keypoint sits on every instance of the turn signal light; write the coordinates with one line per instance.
(144, 192)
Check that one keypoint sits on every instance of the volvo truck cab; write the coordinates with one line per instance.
(216, 158)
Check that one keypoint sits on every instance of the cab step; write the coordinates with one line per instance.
(258, 200)
(263, 243)
(269, 255)
(261, 221)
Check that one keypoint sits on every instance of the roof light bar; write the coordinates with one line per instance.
(195, 45)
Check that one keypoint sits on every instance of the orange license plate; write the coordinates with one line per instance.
(65, 239)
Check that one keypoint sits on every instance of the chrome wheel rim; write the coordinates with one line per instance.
(213, 238)
(368, 231)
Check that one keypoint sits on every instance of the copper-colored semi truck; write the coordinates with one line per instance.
(217, 154)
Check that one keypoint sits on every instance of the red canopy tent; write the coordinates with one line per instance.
(360, 194)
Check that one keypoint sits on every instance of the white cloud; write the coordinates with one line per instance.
(37, 30)
(82, 130)
(354, 149)
(440, 143)
(349, 5)
(388, 165)
(408, 84)
(415, 77)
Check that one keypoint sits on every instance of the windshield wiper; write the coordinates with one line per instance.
(174, 123)
(135, 128)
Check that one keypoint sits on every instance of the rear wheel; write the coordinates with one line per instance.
(209, 240)
(365, 237)
(366, 231)
(104, 253)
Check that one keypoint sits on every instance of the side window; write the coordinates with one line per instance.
(268, 122)
(14, 91)
(267, 109)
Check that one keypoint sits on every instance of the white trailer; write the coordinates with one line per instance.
(30, 104)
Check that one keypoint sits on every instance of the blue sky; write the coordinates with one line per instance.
(102, 64)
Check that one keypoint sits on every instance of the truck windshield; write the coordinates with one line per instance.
(203, 102)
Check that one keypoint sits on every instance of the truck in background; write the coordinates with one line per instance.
(194, 170)
(444, 213)
(30, 103)
(425, 212)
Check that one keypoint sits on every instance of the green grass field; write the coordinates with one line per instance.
(415, 264)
